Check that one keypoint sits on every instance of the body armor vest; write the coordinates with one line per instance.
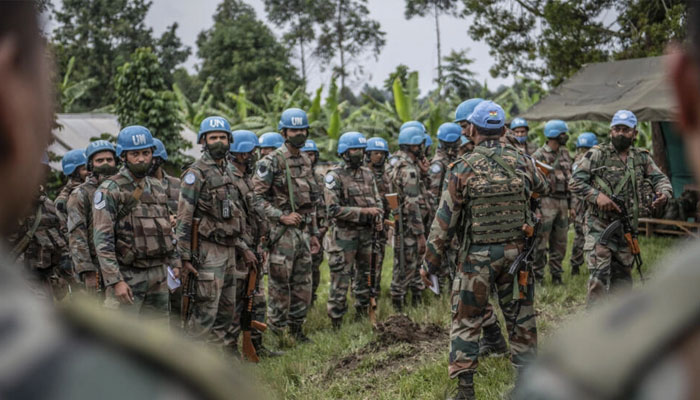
(217, 206)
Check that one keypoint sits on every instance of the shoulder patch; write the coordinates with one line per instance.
(189, 178)
(393, 161)
(262, 170)
(99, 200)
(435, 168)
(330, 181)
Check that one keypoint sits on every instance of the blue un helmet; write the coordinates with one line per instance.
(428, 141)
(98, 146)
(465, 109)
(160, 150)
(586, 140)
(416, 124)
(214, 124)
(243, 142)
(449, 132)
(351, 140)
(411, 136)
(270, 139)
(310, 145)
(554, 128)
(72, 160)
(135, 137)
(293, 118)
(488, 115)
(377, 144)
(519, 123)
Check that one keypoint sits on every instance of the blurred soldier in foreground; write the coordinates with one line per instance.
(487, 198)
(311, 149)
(76, 352)
(584, 142)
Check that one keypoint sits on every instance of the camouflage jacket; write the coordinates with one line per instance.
(347, 192)
(270, 183)
(559, 178)
(381, 179)
(82, 247)
(406, 180)
(601, 167)
(62, 200)
(321, 212)
(207, 192)
(46, 245)
(131, 230)
(528, 148)
(438, 168)
(473, 173)
(171, 185)
(577, 205)
(254, 225)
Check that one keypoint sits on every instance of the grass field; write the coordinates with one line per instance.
(350, 364)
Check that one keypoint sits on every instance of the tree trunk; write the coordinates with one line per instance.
(439, 51)
(303, 62)
(340, 44)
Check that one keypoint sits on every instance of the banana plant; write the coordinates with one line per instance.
(70, 92)
(192, 113)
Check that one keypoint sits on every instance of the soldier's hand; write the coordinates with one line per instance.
(315, 245)
(421, 245)
(605, 203)
(423, 164)
(373, 211)
(660, 201)
(189, 268)
(173, 221)
(424, 277)
(90, 279)
(292, 219)
(379, 224)
(123, 293)
(572, 214)
(176, 272)
(249, 258)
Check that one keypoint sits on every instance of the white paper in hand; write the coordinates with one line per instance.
(173, 282)
(435, 287)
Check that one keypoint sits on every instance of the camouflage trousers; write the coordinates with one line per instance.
(406, 277)
(290, 278)
(150, 290)
(577, 248)
(379, 249)
(214, 301)
(487, 265)
(316, 261)
(349, 258)
(176, 309)
(609, 270)
(552, 237)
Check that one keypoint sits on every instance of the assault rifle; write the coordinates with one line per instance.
(189, 281)
(623, 225)
(519, 269)
(371, 277)
(247, 322)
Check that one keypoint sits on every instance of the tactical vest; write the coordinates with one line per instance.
(297, 173)
(172, 188)
(217, 206)
(46, 243)
(497, 201)
(143, 230)
(358, 191)
(611, 179)
(251, 224)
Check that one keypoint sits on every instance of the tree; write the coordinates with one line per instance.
(551, 40)
(240, 50)
(171, 52)
(101, 35)
(459, 80)
(142, 98)
(300, 17)
(347, 35)
(422, 8)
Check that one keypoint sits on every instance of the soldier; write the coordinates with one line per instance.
(254, 232)
(487, 197)
(132, 233)
(208, 195)
(377, 152)
(555, 208)
(410, 241)
(268, 142)
(520, 130)
(311, 149)
(73, 164)
(101, 163)
(605, 172)
(170, 183)
(584, 142)
(285, 183)
(466, 146)
(356, 208)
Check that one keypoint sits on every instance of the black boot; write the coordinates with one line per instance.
(492, 342)
(416, 298)
(263, 351)
(361, 313)
(465, 387)
(556, 281)
(575, 269)
(397, 303)
(336, 323)
(298, 334)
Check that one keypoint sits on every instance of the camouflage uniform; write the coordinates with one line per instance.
(254, 228)
(207, 193)
(62, 200)
(39, 245)
(82, 246)
(487, 194)
(579, 208)
(171, 185)
(611, 266)
(290, 275)
(134, 242)
(383, 183)
(552, 238)
(528, 148)
(437, 173)
(317, 259)
(347, 191)
(406, 178)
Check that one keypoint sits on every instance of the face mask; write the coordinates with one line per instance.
(563, 139)
(104, 170)
(418, 152)
(218, 150)
(297, 141)
(354, 160)
(521, 139)
(621, 142)
(139, 170)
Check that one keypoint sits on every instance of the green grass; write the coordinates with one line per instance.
(400, 371)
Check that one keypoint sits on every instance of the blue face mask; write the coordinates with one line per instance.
(521, 139)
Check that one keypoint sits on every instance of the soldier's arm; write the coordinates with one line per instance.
(262, 184)
(435, 174)
(410, 182)
(447, 218)
(104, 217)
(378, 197)
(580, 182)
(78, 237)
(190, 187)
(658, 179)
(321, 204)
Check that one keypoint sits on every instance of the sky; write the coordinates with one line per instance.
(410, 42)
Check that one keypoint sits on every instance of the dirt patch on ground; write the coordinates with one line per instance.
(400, 329)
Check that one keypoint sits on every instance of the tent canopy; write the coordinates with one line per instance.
(597, 90)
